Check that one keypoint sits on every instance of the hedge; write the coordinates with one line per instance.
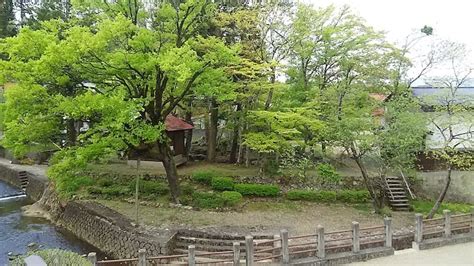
(312, 195)
(347, 196)
(257, 190)
(222, 183)
(149, 187)
(204, 177)
(353, 196)
(208, 200)
(231, 198)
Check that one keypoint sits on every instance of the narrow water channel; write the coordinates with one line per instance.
(17, 231)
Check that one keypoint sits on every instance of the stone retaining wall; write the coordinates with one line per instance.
(110, 231)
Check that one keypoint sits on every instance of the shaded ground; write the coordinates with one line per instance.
(262, 216)
(460, 254)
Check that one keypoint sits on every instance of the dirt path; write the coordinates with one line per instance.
(270, 217)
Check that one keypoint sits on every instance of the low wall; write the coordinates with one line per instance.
(37, 182)
(110, 231)
(460, 189)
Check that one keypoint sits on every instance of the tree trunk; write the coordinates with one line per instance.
(188, 133)
(235, 136)
(169, 164)
(268, 102)
(442, 194)
(212, 132)
(71, 133)
(365, 175)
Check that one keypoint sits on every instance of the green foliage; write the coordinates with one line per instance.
(70, 184)
(55, 257)
(312, 195)
(328, 174)
(187, 189)
(222, 183)
(353, 196)
(386, 211)
(204, 177)
(257, 190)
(150, 187)
(424, 207)
(231, 198)
(208, 200)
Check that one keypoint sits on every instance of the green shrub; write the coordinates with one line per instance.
(187, 189)
(55, 257)
(353, 196)
(149, 187)
(222, 183)
(312, 195)
(231, 198)
(257, 190)
(116, 190)
(204, 177)
(70, 184)
(328, 174)
(208, 200)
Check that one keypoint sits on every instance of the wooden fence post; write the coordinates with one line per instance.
(92, 257)
(418, 228)
(355, 237)
(447, 223)
(142, 257)
(191, 255)
(236, 249)
(284, 246)
(321, 245)
(249, 251)
(388, 232)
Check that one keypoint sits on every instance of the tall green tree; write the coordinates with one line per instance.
(7, 19)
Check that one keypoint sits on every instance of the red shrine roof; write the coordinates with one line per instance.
(174, 123)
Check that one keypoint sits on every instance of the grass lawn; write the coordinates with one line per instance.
(424, 207)
(262, 216)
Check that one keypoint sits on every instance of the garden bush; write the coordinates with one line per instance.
(208, 200)
(353, 196)
(150, 187)
(328, 174)
(257, 190)
(312, 195)
(204, 177)
(222, 183)
(187, 189)
(231, 198)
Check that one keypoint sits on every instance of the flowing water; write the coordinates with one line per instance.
(17, 231)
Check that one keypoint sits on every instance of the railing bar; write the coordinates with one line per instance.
(433, 232)
(304, 251)
(339, 232)
(215, 261)
(303, 236)
(338, 239)
(338, 246)
(214, 253)
(267, 258)
(372, 235)
(461, 228)
(372, 227)
(461, 215)
(303, 244)
(461, 222)
(267, 249)
(434, 219)
(372, 242)
(120, 260)
(167, 257)
(267, 241)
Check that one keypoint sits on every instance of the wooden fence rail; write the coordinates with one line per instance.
(283, 248)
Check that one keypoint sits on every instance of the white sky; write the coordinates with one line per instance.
(451, 19)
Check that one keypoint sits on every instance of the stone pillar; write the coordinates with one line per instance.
(248, 251)
(418, 228)
(92, 258)
(447, 223)
(236, 249)
(321, 245)
(142, 257)
(284, 247)
(191, 255)
(355, 237)
(388, 231)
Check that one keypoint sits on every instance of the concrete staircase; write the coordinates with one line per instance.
(23, 177)
(396, 194)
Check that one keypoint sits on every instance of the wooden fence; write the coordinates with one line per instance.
(284, 248)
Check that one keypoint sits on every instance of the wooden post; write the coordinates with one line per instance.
(142, 257)
(236, 249)
(191, 255)
(388, 231)
(418, 228)
(447, 223)
(92, 258)
(355, 237)
(277, 246)
(321, 245)
(249, 251)
(284, 246)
